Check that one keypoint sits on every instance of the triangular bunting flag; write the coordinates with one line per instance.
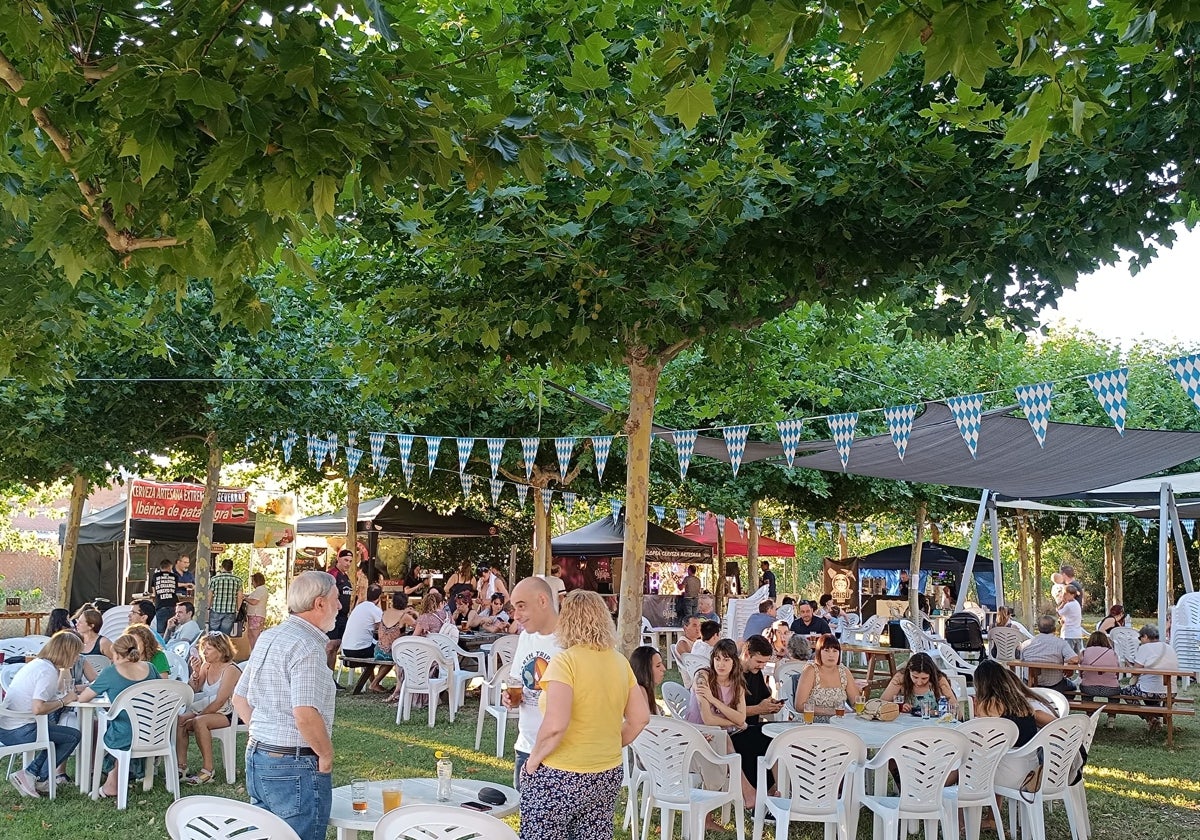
(615, 506)
(522, 494)
(332, 444)
(352, 439)
(376, 439)
(812, 530)
(322, 446)
(1111, 388)
(311, 441)
(758, 523)
(250, 439)
(720, 523)
(468, 482)
(465, 445)
(968, 415)
(1187, 371)
(569, 502)
(435, 445)
(353, 456)
(406, 445)
(858, 530)
(1145, 523)
(899, 422)
(789, 436)
(702, 519)
(1035, 402)
(1124, 526)
(735, 445)
(495, 448)
(529, 448)
(497, 487)
(795, 526)
(591, 510)
(601, 446)
(563, 447)
(547, 498)
(659, 512)
(828, 529)
(681, 515)
(685, 443)
(274, 438)
(842, 529)
(777, 524)
(842, 428)
(381, 462)
(406, 467)
(289, 443)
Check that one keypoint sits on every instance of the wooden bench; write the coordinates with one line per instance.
(368, 670)
(1126, 704)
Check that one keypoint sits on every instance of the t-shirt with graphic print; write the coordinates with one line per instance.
(534, 652)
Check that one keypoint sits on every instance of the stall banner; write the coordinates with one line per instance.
(274, 520)
(154, 502)
(841, 581)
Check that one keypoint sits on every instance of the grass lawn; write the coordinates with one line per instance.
(1137, 789)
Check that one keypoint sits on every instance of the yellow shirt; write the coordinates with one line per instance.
(600, 681)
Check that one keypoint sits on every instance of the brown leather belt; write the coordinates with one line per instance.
(280, 752)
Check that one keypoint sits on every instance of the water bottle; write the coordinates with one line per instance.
(943, 707)
(445, 775)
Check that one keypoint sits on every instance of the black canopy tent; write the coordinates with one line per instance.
(606, 538)
(397, 517)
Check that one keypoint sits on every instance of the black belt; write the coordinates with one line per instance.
(280, 752)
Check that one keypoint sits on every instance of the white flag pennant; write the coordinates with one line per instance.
(569, 501)
(434, 444)
(828, 529)
(900, 422)
(529, 448)
(289, 443)
(380, 463)
(681, 515)
(331, 447)
(322, 449)
(376, 439)
(1187, 372)
(465, 445)
(468, 482)
(659, 512)
(497, 487)
(601, 446)
(777, 524)
(842, 428)
(702, 520)
(842, 529)
(406, 467)
(274, 438)
(522, 494)
(547, 498)
(250, 439)
(812, 529)
(353, 456)
(758, 520)
(1145, 523)
(685, 444)
(735, 445)
(311, 441)
(741, 526)
(495, 448)
(795, 526)
(563, 447)
(789, 436)
(858, 530)
(352, 438)
(406, 444)
(1111, 388)
(968, 415)
(615, 506)
(1035, 402)
(720, 523)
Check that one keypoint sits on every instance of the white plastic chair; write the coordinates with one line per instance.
(10, 719)
(918, 640)
(226, 737)
(115, 621)
(152, 707)
(415, 659)
(7, 672)
(1125, 642)
(217, 818)
(22, 645)
(783, 682)
(689, 664)
(633, 778)
(98, 661)
(1055, 701)
(787, 613)
(1076, 791)
(924, 757)
(180, 670)
(1058, 742)
(667, 748)
(866, 634)
(1003, 642)
(991, 738)
(501, 655)
(677, 698)
(491, 705)
(440, 822)
(460, 677)
(819, 773)
(953, 662)
(648, 635)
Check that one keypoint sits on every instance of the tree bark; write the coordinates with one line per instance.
(66, 564)
(644, 373)
(914, 567)
(1110, 544)
(204, 539)
(1118, 564)
(1035, 534)
(752, 572)
(1023, 563)
(843, 541)
(721, 592)
(352, 500)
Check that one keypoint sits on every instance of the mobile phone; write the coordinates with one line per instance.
(477, 806)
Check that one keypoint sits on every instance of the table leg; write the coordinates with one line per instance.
(368, 672)
(871, 657)
(83, 755)
(347, 834)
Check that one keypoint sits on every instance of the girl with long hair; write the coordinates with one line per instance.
(1000, 693)
(719, 691)
(648, 670)
(919, 679)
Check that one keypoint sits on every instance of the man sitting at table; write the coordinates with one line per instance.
(691, 635)
(1047, 648)
(182, 626)
(1152, 655)
(807, 623)
(710, 631)
(760, 622)
(708, 608)
(751, 743)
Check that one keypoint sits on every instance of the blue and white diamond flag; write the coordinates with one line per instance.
(1145, 523)
(274, 438)
(289, 443)
(741, 526)
(795, 526)
(968, 415)
(842, 428)
(569, 501)
(406, 445)
(332, 447)
(380, 463)
(311, 441)
(900, 422)
(376, 439)
(858, 530)
(563, 447)
(529, 448)
(758, 523)
(615, 506)
(1111, 388)
(522, 494)
(1124, 526)
(1187, 371)
(322, 446)
(720, 523)
(735, 445)
(465, 445)
(789, 436)
(250, 438)
(547, 498)
(352, 438)
(497, 487)
(468, 482)
(842, 530)
(495, 447)
(685, 444)
(659, 512)
(828, 529)
(601, 446)
(406, 467)
(777, 524)
(435, 445)
(874, 530)
(702, 520)
(812, 529)
(1035, 402)
(681, 515)
(353, 456)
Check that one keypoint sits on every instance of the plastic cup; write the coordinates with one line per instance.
(515, 693)
(840, 710)
(393, 796)
(358, 794)
(859, 705)
(810, 712)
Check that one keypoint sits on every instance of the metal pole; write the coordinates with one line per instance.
(1164, 494)
(969, 567)
(1185, 573)
(995, 523)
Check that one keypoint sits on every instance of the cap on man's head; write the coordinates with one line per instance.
(1148, 632)
(345, 552)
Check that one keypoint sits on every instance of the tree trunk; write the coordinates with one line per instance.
(844, 543)
(352, 500)
(1118, 564)
(204, 539)
(914, 568)
(644, 373)
(1110, 545)
(1023, 564)
(1036, 536)
(752, 571)
(66, 564)
(721, 592)
(541, 525)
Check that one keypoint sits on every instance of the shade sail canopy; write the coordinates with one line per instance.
(736, 545)
(398, 517)
(605, 538)
(1145, 490)
(935, 557)
(108, 525)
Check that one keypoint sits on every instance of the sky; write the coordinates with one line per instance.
(1160, 303)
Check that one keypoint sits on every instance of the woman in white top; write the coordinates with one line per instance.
(213, 680)
(1072, 617)
(256, 608)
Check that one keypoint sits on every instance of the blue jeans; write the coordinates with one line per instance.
(65, 739)
(522, 757)
(291, 789)
(219, 622)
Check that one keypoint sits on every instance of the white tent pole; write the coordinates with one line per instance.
(1185, 573)
(969, 566)
(1164, 493)
(995, 523)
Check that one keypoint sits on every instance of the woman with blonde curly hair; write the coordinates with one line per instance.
(594, 708)
(430, 617)
(150, 650)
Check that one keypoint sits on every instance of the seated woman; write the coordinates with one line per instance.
(826, 683)
(494, 619)
(778, 634)
(59, 619)
(151, 652)
(430, 617)
(1115, 618)
(35, 689)
(213, 680)
(719, 692)
(1099, 653)
(920, 680)
(1004, 619)
(648, 670)
(397, 620)
(127, 669)
(87, 624)
(798, 648)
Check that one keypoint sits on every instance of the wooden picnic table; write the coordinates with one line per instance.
(875, 654)
(33, 619)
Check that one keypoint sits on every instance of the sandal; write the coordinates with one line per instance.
(202, 778)
(62, 779)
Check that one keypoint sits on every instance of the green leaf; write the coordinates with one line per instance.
(154, 154)
(208, 93)
(324, 195)
(490, 338)
(899, 32)
(691, 102)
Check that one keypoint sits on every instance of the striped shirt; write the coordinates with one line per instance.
(225, 587)
(1049, 649)
(287, 669)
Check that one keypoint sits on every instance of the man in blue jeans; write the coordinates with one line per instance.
(286, 696)
(224, 599)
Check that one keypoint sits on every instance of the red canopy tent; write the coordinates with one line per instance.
(735, 543)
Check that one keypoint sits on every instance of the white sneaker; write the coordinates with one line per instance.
(24, 785)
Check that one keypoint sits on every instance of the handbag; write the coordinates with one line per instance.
(884, 710)
(1033, 779)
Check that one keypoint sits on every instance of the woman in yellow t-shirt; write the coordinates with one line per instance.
(593, 707)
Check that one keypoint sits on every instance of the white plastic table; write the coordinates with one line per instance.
(349, 822)
(874, 733)
(85, 754)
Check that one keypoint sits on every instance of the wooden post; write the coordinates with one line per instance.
(352, 500)
(66, 563)
(1036, 539)
(1118, 563)
(1023, 565)
(541, 524)
(722, 590)
(914, 567)
(204, 538)
(752, 571)
(512, 567)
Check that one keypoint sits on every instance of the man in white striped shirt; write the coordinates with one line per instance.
(286, 695)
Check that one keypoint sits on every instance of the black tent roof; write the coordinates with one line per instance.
(606, 538)
(108, 525)
(395, 516)
(934, 557)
